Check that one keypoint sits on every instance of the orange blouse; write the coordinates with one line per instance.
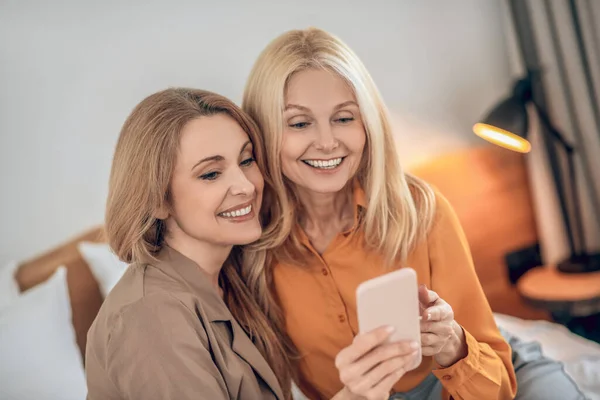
(319, 304)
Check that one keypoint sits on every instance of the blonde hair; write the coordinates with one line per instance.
(139, 186)
(400, 207)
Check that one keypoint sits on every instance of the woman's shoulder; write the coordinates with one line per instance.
(428, 198)
(444, 221)
(144, 294)
(140, 286)
(443, 207)
(434, 208)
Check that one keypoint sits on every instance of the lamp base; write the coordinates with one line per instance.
(580, 263)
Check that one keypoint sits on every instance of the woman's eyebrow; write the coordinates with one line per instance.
(344, 104)
(296, 106)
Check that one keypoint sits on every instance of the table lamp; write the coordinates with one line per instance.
(507, 125)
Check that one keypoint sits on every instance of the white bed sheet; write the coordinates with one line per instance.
(581, 357)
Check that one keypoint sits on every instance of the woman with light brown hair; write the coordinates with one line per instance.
(346, 213)
(183, 209)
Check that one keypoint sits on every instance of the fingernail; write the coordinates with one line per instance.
(389, 329)
(414, 345)
(428, 316)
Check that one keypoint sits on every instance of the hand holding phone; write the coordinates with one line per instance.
(441, 336)
(370, 367)
(389, 342)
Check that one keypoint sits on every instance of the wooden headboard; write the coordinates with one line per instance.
(487, 186)
(84, 291)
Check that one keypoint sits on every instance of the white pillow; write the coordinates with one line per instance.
(105, 265)
(9, 289)
(39, 356)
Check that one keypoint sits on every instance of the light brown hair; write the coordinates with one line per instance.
(140, 178)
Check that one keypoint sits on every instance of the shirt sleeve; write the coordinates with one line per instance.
(487, 371)
(155, 352)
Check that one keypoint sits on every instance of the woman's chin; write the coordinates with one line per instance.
(329, 186)
(246, 235)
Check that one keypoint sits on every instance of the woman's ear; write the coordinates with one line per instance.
(161, 213)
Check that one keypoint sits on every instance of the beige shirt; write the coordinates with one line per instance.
(164, 332)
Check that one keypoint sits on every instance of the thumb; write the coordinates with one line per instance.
(423, 299)
(423, 295)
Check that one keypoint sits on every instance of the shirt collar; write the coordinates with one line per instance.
(180, 268)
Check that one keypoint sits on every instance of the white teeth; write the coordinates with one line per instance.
(324, 164)
(237, 213)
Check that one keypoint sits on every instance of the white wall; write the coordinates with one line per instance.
(70, 72)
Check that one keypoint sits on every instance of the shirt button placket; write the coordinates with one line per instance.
(342, 319)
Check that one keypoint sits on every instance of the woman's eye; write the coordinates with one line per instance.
(247, 162)
(210, 176)
(345, 120)
(299, 125)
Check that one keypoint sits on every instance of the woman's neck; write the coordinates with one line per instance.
(326, 214)
(208, 256)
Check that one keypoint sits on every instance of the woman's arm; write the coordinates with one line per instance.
(486, 372)
(155, 352)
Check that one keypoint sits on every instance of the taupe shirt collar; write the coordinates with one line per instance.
(181, 268)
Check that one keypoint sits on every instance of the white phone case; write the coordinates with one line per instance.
(391, 299)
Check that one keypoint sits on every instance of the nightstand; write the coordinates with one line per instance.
(572, 299)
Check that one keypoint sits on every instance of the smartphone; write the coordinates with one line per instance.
(391, 299)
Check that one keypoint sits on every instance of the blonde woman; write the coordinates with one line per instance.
(346, 212)
(184, 198)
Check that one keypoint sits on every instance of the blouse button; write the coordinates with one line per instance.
(446, 377)
(324, 272)
(342, 318)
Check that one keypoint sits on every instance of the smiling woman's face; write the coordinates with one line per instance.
(323, 133)
(216, 186)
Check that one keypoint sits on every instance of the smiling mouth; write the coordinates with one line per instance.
(324, 164)
(237, 212)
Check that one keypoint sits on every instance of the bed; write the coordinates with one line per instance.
(77, 274)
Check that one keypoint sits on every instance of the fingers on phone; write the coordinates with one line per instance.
(442, 329)
(427, 296)
(370, 378)
(433, 343)
(423, 295)
(442, 312)
(387, 372)
(389, 351)
(433, 296)
(429, 351)
(380, 354)
(362, 344)
(429, 339)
